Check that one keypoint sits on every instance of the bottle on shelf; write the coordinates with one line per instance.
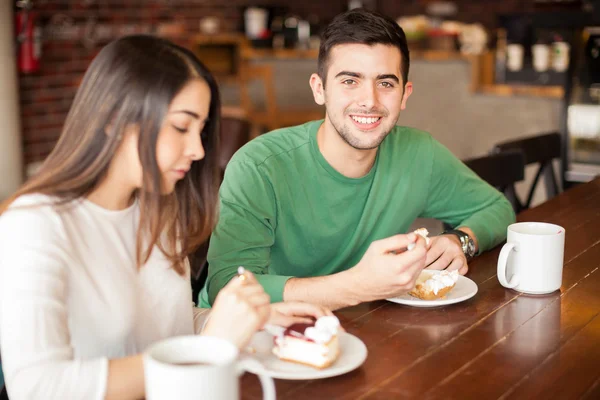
(500, 65)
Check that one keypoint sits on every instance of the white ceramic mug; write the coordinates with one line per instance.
(514, 57)
(256, 20)
(193, 367)
(541, 57)
(531, 261)
(560, 56)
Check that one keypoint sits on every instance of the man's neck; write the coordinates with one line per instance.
(345, 159)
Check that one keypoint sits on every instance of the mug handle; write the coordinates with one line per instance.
(502, 260)
(266, 382)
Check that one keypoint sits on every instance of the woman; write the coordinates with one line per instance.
(93, 250)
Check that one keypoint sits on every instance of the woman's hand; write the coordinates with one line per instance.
(292, 312)
(241, 308)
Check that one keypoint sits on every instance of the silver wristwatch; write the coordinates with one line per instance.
(467, 243)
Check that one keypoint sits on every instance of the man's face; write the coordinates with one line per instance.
(364, 92)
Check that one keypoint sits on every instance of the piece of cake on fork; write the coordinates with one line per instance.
(424, 233)
(316, 345)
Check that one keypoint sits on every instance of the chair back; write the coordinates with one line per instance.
(502, 171)
(540, 149)
(234, 133)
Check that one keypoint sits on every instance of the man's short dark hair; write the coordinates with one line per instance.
(361, 26)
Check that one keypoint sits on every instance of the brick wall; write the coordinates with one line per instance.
(74, 31)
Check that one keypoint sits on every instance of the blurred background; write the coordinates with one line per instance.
(484, 72)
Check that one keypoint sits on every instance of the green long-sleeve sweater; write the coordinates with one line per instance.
(285, 212)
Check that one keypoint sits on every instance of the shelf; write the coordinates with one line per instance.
(250, 53)
(553, 92)
(221, 38)
(437, 55)
(482, 81)
(226, 52)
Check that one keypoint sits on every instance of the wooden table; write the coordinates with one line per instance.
(499, 344)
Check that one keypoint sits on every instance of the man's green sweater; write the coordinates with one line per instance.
(285, 212)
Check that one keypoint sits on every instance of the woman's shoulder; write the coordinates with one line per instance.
(37, 212)
(33, 200)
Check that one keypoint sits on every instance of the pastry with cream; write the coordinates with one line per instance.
(316, 345)
(432, 285)
(424, 233)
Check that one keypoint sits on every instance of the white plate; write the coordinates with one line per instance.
(464, 290)
(353, 354)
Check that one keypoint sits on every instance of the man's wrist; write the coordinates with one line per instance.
(351, 286)
(336, 291)
(469, 232)
(464, 240)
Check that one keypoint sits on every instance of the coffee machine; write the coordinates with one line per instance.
(582, 137)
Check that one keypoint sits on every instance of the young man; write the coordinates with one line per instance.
(316, 211)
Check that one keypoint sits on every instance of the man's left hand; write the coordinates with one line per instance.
(445, 252)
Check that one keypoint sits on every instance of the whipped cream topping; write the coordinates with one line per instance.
(438, 281)
(423, 232)
(325, 328)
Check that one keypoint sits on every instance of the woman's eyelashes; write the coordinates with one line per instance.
(179, 129)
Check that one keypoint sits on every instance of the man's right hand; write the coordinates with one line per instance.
(387, 269)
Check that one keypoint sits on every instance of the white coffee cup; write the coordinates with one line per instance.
(560, 56)
(256, 20)
(514, 57)
(193, 367)
(541, 57)
(531, 261)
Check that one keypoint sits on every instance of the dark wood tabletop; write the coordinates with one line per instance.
(500, 344)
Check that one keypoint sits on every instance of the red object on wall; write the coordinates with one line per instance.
(29, 42)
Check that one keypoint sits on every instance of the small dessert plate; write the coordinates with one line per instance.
(353, 354)
(464, 289)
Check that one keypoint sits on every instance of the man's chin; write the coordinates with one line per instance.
(363, 144)
(366, 140)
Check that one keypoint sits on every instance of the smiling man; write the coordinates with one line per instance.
(319, 211)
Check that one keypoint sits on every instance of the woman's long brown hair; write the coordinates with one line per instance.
(132, 81)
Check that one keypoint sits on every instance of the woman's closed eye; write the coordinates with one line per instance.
(179, 128)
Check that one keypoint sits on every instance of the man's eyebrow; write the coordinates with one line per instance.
(349, 73)
(359, 75)
(388, 76)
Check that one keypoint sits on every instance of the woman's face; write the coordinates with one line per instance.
(179, 141)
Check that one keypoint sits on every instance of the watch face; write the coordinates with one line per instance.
(470, 248)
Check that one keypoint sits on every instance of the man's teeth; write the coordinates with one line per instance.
(366, 120)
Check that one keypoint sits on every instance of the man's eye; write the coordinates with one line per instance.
(387, 85)
(349, 82)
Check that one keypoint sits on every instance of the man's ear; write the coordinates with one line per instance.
(318, 89)
(408, 88)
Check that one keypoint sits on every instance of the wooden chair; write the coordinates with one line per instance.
(502, 171)
(541, 149)
(234, 133)
(272, 116)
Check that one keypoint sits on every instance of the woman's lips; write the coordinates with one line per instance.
(180, 173)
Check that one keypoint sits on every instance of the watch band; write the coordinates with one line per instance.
(467, 243)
